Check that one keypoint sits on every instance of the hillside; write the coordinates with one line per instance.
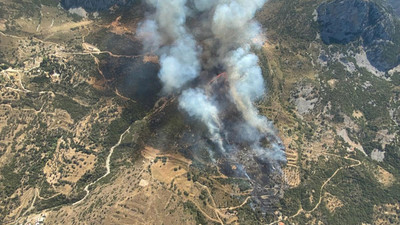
(88, 137)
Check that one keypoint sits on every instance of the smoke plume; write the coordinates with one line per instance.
(179, 53)
(208, 37)
(198, 105)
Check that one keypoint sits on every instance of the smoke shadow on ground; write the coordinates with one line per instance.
(117, 44)
(133, 78)
(174, 131)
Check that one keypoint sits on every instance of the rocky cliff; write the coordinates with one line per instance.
(348, 21)
(93, 5)
(395, 4)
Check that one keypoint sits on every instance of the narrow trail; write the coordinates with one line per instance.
(37, 192)
(301, 210)
(31, 207)
(42, 198)
(330, 178)
(107, 167)
(21, 88)
(102, 52)
(213, 202)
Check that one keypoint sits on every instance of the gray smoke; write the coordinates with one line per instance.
(226, 31)
(179, 64)
(170, 17)
(179, 56)
(233, 22)
(199, 105)
(148, 33)
(247, 86)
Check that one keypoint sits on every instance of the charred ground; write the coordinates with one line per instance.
(64, 105)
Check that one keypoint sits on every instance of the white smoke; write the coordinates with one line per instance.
(274, 153)
(226, 31)
(198, 105)
(233, 23)
(148, 33)
(179, 57)
(171, 17)
(203, 5)
(247, 86)
(179, 64)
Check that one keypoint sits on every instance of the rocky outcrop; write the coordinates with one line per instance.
(395, 4)
(94, 5)
(350, 20)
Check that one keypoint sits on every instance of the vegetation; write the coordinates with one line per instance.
(192, 209)
(57, 201)
(76, 110)
(33, 133)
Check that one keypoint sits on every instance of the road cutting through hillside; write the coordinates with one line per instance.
(107, 167)
(301, 210)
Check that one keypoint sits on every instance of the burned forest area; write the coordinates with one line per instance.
(199, 112)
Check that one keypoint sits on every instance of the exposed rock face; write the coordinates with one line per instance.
(347, 21)
(395, 4)
(93, 5)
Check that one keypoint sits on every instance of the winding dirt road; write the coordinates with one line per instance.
(107, 166)
(301, 210)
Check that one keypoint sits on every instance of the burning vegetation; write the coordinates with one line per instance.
(195, 40)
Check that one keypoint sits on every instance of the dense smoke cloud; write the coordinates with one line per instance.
(179, 64)
(247, 86)
(170, 17)
(221, 36)
(198, 105)
(179, 55)
(148, 33)
(233, 22)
